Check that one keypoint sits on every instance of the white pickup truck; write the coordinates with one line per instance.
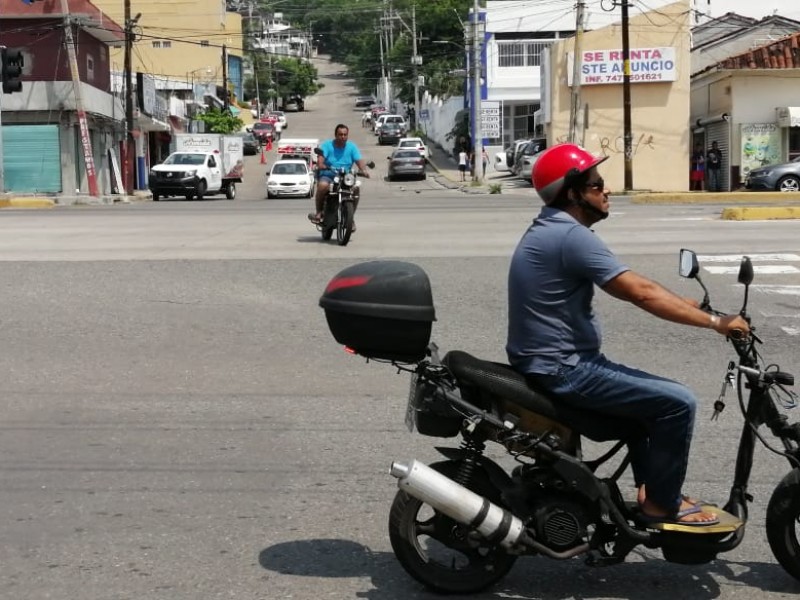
(202, 164)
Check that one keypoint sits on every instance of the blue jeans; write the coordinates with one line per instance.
(714, 182)
(665, 408)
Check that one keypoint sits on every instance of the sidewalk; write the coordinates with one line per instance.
(448, 175)
(766, 205)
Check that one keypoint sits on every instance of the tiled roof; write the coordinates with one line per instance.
(780, 54)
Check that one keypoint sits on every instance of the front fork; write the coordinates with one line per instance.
(761, 410)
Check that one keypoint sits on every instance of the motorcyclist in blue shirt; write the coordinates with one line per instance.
(338, 153)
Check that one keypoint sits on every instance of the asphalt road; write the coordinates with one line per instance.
(178, 423)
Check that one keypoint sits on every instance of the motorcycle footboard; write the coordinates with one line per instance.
(728, 523)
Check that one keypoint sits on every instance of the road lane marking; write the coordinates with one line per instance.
(781, 290)
(759, 269)
(753, 257)
(792, 330)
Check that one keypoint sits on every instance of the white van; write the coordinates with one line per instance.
(386, 117)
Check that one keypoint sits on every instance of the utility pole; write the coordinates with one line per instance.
(416, 59)
(129, 141)
(477, 142)
(577, 55)
(225, 99)
(626, 99)
(88, 155)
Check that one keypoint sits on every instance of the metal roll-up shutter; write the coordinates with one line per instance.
(32, 158)
(720, 133)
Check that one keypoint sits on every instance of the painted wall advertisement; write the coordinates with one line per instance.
(761, 145)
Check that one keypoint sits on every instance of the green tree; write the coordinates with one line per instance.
(218, 121)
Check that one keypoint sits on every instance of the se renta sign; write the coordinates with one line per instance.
(648, 65)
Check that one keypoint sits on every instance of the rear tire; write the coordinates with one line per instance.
(156, 197)
(438, 552)
(230, 191)
(783, 523)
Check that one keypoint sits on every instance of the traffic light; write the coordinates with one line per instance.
(12, 63)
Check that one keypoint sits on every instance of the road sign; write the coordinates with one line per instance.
(424, 115)
(491, 118)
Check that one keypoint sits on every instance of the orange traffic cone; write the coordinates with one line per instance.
(263, 156)
(269, 143)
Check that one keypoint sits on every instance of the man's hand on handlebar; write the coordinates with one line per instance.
(733, 326)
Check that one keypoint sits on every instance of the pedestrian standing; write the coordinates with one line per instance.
(485, 160)
(462, 164)
(697, 174)
(714, 167)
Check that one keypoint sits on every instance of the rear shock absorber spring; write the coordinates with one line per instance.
(473, 451)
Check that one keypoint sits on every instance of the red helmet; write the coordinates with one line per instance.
(555, 164)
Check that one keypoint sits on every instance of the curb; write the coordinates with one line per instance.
(760, 213)
(713, 197)
(463, 186)
(27, 202)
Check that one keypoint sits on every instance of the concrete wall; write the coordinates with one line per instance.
(659, 111)
(442, 118)
(177, 18)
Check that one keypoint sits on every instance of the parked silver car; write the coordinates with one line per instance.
(526, 157)
(784, 177)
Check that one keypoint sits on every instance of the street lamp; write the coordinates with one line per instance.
(207, 71)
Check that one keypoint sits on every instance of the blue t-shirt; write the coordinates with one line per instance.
(340, 158)
(551, 283)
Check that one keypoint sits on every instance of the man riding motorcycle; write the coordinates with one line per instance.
(554, 337)
(338, 153)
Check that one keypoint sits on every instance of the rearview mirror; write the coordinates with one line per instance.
(688, 265)
(745, 271)
(371, 164)
(317, 151)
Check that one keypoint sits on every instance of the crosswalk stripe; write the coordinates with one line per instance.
(781, 290)
(792, 330)
(758, 269)
(753, 257)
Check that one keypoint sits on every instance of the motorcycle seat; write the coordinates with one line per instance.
(501, 380)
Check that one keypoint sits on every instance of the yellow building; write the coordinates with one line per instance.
(660, 69)
(181, 39)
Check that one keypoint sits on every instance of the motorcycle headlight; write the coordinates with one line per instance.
(336, 179)
(358, 183)
(349, 180)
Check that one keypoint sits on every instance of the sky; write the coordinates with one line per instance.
(751, 8)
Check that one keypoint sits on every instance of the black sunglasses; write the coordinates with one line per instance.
(599, 184)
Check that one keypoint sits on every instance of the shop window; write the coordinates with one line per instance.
(204, 43)
(794, 142)
(156, 43)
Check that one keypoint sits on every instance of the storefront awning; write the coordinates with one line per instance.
(788, 116)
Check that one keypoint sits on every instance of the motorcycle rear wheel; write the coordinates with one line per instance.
(440, 553)
(783, 523)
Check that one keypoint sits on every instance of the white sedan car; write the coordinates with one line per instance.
(413, 142)
(290, 178)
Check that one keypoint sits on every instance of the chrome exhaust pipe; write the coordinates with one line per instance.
(457, 502)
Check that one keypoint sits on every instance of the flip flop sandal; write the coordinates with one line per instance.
(675, 518)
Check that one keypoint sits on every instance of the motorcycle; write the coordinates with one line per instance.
(459, 525)
(339, 208)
